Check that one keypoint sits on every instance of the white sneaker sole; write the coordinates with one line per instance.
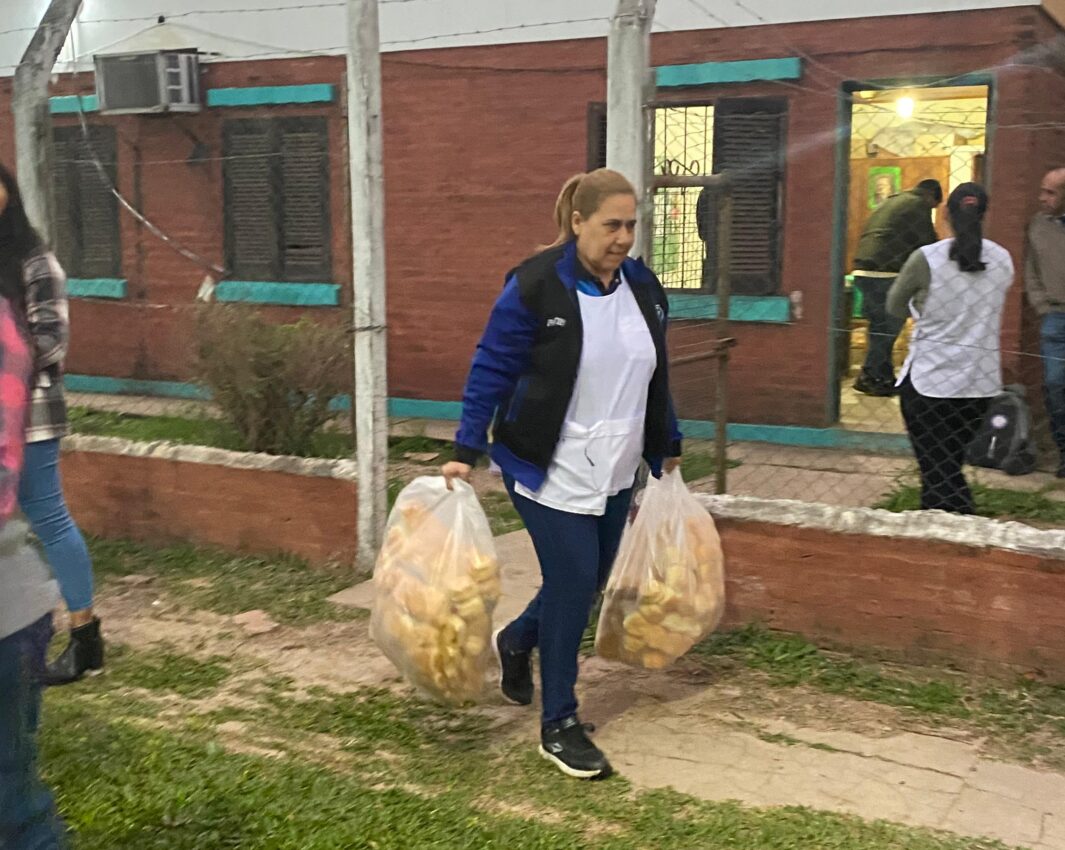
(499, 659)
(570, 771)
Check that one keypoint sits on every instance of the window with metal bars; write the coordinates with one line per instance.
(744, 137)
(276, 175)
(87, 229)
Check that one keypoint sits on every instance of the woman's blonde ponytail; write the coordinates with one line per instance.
(564, 211)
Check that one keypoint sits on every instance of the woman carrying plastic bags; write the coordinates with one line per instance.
(572, 375)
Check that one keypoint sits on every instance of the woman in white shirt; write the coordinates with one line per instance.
(955, 290)
(572, 375)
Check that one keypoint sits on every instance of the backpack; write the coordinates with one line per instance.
(1004, 438)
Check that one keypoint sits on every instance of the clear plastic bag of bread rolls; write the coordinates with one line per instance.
(667, 589)
(437, 583)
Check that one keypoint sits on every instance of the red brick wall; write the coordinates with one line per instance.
(479, 139)
(149, 334)
(165, 501)
(921, 598)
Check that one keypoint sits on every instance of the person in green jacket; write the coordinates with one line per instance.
(900, 225)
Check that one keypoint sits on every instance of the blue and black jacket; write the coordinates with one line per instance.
(525, 368)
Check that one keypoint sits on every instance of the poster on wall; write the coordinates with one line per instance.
(884, 181)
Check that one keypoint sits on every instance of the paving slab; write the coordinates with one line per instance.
(922, 780)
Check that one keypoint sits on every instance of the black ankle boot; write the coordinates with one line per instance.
(84, 654)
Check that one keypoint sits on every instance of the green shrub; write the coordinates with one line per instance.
(274, 383)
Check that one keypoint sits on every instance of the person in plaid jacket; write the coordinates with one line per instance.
(41, 298)
(28, 593)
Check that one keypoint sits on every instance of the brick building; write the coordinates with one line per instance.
(478, 138)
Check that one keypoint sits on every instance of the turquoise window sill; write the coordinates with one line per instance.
(285, 294)
(770, 309)
(272, 95)
(99, 287)
(716, 73)
(68, 104)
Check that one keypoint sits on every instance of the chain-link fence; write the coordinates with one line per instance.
(726, 280)
(925, 336)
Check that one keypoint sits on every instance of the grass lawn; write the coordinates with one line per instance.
(996, 502)
(218, 581)
(158, 756)
(1025, 717)
(171, 752)
(206, 431)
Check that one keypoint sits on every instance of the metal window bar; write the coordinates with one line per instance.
(719, 187)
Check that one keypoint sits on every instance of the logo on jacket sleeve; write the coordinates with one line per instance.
(661, 313)
(556, 322)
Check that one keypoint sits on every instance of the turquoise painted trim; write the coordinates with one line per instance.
(272, 95)
(783, 435)
(774, 309)
(131, 386)
(289, 294)
(417, 408)
(100, 384)
(793, 435)
(68, 104)
(100, 287)
(716, 73)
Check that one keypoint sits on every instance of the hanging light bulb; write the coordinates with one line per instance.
(904, 106)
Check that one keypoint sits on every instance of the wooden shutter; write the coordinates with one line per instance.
(252, 207)
(305, 192)
(87, 227)
(97, 205)
(66, 240)
(749, 145)
(596, 136)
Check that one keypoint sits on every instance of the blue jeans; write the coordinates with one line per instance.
(1052, 350)
(40, 495)
(576, 552)
(27, 814)
(884, 328)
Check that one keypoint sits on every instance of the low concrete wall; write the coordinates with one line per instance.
(163, 492)
(928, 585)
(967, 589)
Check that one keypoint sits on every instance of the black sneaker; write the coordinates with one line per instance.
(567, 745)
(515, 673)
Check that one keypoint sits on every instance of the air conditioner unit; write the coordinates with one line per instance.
(159, 81)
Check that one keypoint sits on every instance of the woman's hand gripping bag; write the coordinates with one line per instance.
(437, 584)
(667, 589)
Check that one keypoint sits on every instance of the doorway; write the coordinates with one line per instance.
(899, 137)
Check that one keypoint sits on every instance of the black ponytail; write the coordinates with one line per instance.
(18, 240)
(967, 207)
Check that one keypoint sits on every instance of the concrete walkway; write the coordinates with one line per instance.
(663, 730)
(914, 779)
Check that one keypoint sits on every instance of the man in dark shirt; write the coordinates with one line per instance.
(1044, 280)
(900, 225)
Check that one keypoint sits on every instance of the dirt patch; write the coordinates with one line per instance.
(341, 657)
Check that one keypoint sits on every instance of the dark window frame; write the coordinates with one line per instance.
(278, 266)
(723, 107)
(73, 162)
